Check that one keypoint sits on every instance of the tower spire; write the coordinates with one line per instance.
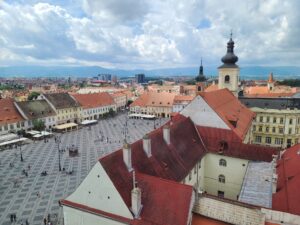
(230, 58)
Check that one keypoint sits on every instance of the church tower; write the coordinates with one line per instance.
(229, 72)
(201, 79)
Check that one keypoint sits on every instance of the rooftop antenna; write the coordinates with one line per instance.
(231, 34)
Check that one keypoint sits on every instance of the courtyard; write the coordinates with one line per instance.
(31, 189)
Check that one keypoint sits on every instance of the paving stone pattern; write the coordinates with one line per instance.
(33, 197)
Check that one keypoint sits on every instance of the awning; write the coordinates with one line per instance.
(87, 122)
(8, 137)
(32, 132)
(65, 126)
(13, 141)
(148, 116)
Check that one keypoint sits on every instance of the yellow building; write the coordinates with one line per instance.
(277, 121)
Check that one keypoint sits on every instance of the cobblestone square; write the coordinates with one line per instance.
(33, 197)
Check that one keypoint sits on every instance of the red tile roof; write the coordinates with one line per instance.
(94, 100)
(8, 112)
(183, 98)
(212, 87)
(202, 220)
(287, 196)
(151, 98)
(164, 202)
(237, 116)
(212, 138)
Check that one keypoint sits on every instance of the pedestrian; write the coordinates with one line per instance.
(45, 221)
(29, 167)
(11, 218)
(48, 217)
(26, 222)
(15, 217)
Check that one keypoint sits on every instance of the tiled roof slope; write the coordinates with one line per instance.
(61, 100)
(287, 196)
(212, 138)
(229, 108)
(94, 100)
(152, 98)
(36, 109)
(172, 162)
(8, 112)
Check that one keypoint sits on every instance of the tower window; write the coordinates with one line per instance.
(227, 79)
(221, 178)
(222, 162)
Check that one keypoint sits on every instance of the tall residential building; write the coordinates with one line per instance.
(277, 121)
(140, 78)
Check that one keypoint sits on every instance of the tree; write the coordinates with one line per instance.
(33, 95)
(111, 112)
(129, 102)
(38, 125)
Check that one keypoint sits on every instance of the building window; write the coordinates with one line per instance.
(297, 130)
(291, 121)
(190, 176)
(261, 119)
(254, 128)
(268, 119)
(298, 120)
(274, 120)
(258, 139)
(290, 130)
(221, 194)
(227, 79)
(280, 130)
(222, 178)
(274, 129)
(278, 141)
(260, 128)
(267, 129)
(222, 162)
(281, 120)
(296, 141)
(268, 140)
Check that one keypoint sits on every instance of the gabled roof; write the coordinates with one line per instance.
(228, 107)
(151, 98)
(61, 100)
(183, 98)
(94, 100)
(287, 196)
(36, 109)
(8, 112)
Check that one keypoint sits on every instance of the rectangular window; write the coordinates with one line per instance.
(274, 129)
(6, 127)
(291, 121)
(254, 128)
(258, 139)
(280, 130)
(267, 129)
(281, 120)
(297, 130)
(221, 194)
(290, 130)
(261, 119)
(268, 119)
(0, 128)
(268, 140)
(260, 128)
(190, 176)
(298, 120)
(296, 141)
(11, 126)
(278, 141)
(195, 169)
(274, 120)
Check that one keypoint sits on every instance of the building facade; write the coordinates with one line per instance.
(120, 100)
(277, 121)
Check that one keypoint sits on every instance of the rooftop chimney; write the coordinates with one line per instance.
(136, 198)
(166, 134)
(147, 145)
(127, 155)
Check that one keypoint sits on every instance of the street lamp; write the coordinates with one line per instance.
(58, 141)
(21, 156)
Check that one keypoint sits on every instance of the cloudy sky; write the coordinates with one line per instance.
(143, 34)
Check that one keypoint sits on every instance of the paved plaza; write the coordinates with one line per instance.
(31, 196)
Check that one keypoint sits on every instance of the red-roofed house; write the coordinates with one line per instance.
(177, 153)
(10, 118)
(94, 105)
(221, 109)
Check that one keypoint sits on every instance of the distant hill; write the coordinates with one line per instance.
(257, 72)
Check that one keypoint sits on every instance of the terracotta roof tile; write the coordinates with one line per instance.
(202, 220)
(8, 112)
(94, 100)
(237, 116)
(154, 99)
(287, 196)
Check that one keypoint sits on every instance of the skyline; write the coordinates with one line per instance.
(172, 34)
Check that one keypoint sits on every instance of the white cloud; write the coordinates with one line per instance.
(148, 34)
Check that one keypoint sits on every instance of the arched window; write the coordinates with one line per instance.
(227, 79)
(222, 162)
(221, 178)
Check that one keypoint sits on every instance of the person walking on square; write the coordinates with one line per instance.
(11, 218)
(45, 221)
(26, 222)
